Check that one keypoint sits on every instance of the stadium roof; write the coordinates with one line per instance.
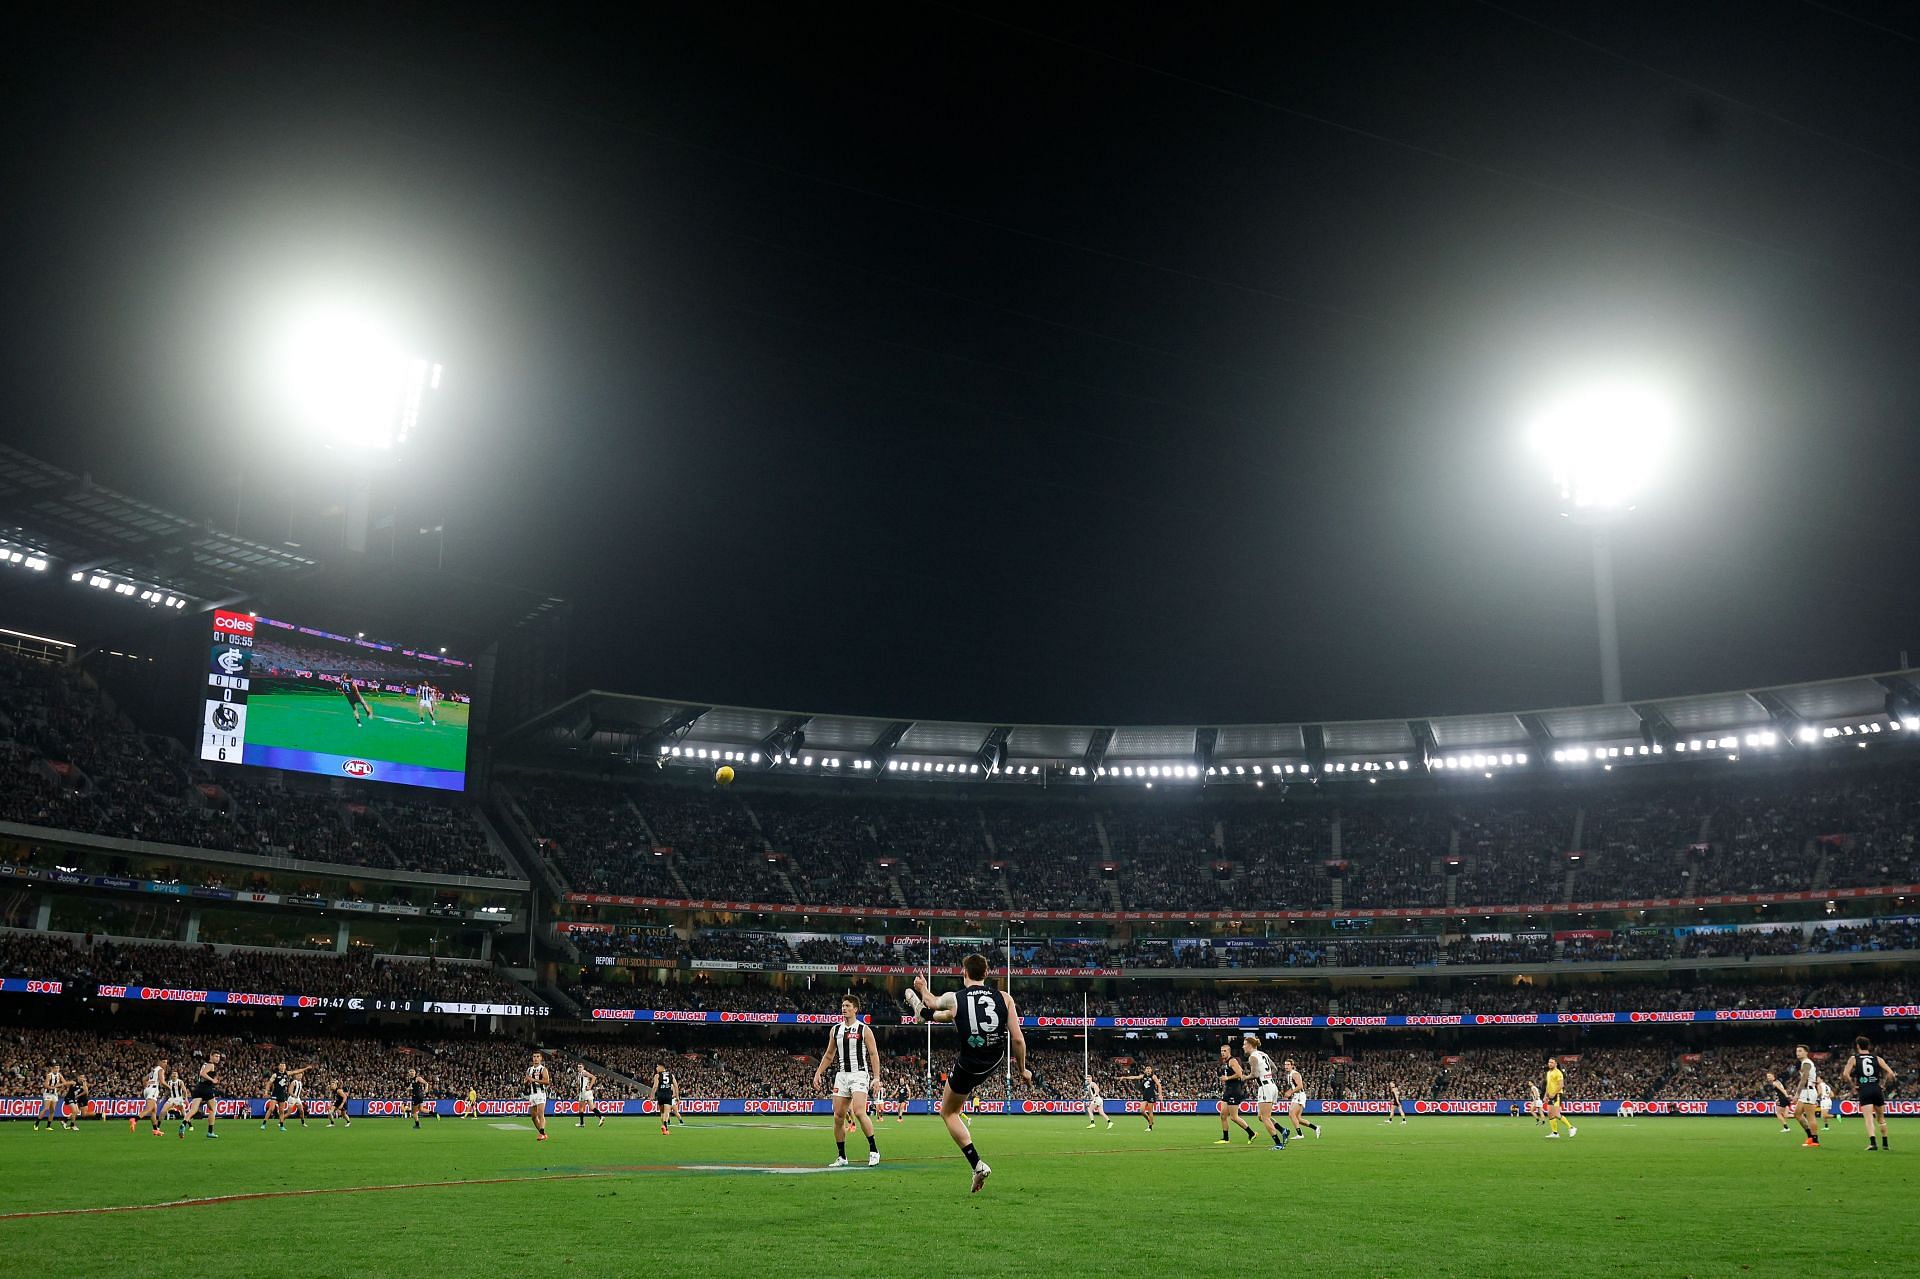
(83, 527)
(596, 728)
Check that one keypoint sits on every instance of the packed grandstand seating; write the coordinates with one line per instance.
(1876, 936)
(69, 762)
(376, 1067)
(1073, 854)
(1155, 999)
(78, 961)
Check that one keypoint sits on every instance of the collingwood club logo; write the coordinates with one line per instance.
(225, 718)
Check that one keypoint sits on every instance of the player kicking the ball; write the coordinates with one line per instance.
(989, 1027)
(356, 701)
(856, 1068)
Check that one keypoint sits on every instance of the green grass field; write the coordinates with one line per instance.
(315, 720)
(1468, 1197)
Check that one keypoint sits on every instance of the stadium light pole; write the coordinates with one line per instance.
(1603, 445)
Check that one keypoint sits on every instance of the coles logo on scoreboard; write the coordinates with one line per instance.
(357, 768)
(232, 623)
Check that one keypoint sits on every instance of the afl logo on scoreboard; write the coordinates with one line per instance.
(357, 768)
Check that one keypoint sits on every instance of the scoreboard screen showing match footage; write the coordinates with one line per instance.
(309, 701)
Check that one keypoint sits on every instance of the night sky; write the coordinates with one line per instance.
(1024, 363)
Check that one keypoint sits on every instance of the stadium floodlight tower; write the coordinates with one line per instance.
(1604, 444)
(353, 388)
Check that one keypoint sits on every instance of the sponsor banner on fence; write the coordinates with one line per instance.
(242, 1108)
(1385, 1021)
(30, 986)
(348, 1003)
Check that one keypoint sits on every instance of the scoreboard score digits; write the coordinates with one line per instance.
(223, 728)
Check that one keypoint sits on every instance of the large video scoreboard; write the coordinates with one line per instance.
(285, 696)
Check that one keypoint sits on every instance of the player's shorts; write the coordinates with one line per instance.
(969, 1075)
(1871, 1095)
(1810, 1096)
(663, 1099)
(1298, 1099)
(1826, 1105)
(1269, 1093)
(538, 1097)
(279, 1097)
(203, 1091)
(1096, 1102)
(151, 1093)
(848, 1082)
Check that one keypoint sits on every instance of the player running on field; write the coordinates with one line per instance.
(205, 1095)
(666, 1096)
(337, 1104)
(1096, 1104)
(83, 1101)
(297, 1096)
(1233, 1091)
(538, 1080)
(1297, 1100)
(989, 1027)
(150, 1098)
(1149, 1093)
(416, 1102)
(176, 1102)
(583, 1082)
(1535, 1105)
(282, 1086)
(1871, 1076)
(429, 698)
(50, 1090)
(856, 1064)
(1266, 1094)
(1556, 1085)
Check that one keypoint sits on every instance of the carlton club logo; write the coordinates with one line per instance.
(357, 768)
(232, 661)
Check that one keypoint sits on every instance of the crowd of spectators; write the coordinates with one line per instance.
(88, 961)
(1279, 952)
(1205, 853)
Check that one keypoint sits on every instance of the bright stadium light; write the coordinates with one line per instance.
(1603, 445)
(349, 382)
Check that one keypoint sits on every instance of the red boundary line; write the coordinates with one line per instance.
(291, 1194)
